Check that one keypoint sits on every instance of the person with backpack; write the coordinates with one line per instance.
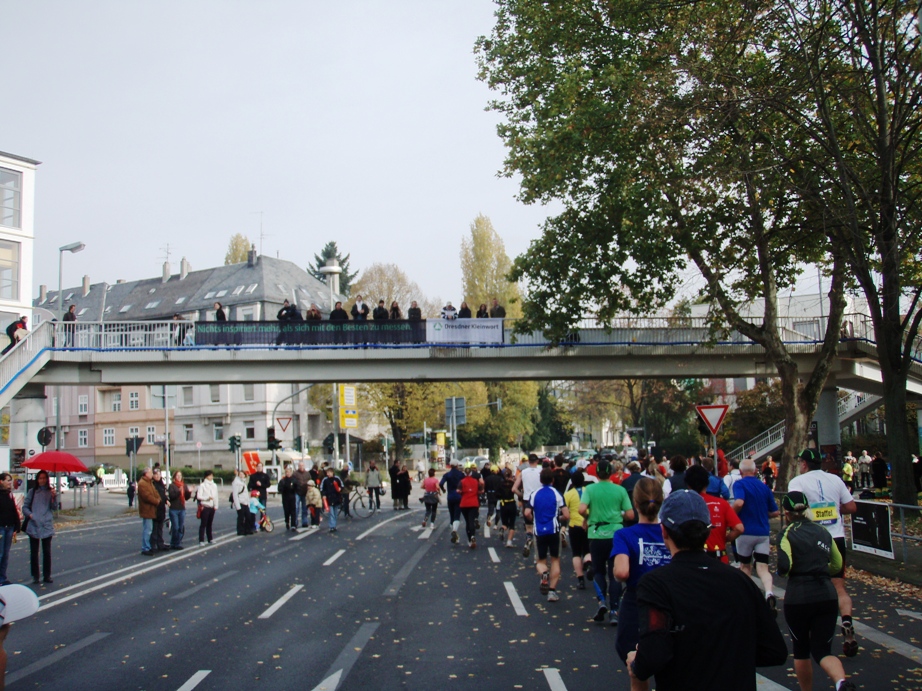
(331, 488)
(12, 331)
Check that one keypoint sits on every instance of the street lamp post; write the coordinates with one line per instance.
(73, 248)
(331, 270)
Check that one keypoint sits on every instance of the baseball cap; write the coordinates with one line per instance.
(683, 506)
(16, 602)
(794, 501)
(811, 457)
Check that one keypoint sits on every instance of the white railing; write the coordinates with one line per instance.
(16, 364)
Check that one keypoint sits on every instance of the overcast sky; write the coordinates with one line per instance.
(176, 122)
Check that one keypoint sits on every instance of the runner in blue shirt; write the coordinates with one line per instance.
(755, 505)
(546, 503)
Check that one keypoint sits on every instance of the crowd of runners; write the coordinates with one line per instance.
(668, 553)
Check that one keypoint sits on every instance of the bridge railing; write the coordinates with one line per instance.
(23, 354)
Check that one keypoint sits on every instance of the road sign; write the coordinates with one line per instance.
(198, 445)
(713, 415)
(457, 405)
(45, 436)
(284, 422)
(348, 418)
(347, 396)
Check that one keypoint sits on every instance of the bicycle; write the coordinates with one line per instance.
(265, 522)
(363, 503)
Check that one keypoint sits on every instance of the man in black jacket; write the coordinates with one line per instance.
(360, 310)
(414, 314)
(19, 324)
(156, 537)
(703, 625)
(380, 314)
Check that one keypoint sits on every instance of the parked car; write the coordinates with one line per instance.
(80, 480)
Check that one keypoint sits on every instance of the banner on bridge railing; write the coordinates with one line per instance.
(871, 529)
(471, 331)
(308, 333)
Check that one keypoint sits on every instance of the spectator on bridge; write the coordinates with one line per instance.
(9, 523)
(207, 496)
(15, 332)
(178, 494)
(360, 310)
(449, 312)
(313, 314)
(180, 329)
(483, 313)
(339, 314)
(380, 313)
(70, 322)
(395, 312)
(148, 501)
(414, 314)
(497, 311)
(464, 312)
(241, 503)
(219, 315)
(284, 314)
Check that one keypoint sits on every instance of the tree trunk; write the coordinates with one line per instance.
(796, 422)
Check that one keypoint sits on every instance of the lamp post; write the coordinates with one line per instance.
(331, 270)
(72, 247)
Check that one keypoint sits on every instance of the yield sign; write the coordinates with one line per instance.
(713, 415)
(284, 422)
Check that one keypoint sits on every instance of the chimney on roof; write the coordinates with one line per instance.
(119, 281)
(42, 294)
(184, 268)
(166, 271)
(86, 286)
(332, 270)
(251, 256)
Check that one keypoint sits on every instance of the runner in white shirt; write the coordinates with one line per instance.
(527, 483)
(829, 500)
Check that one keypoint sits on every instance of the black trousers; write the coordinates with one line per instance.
(244, 524)
(156, 536)
(204, 528)
(289, 506)
(46, 556)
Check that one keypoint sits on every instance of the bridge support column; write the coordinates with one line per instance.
(27, 417)
(919, 425)
(828, 432)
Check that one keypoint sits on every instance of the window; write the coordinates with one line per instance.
(151, 434)
(9, 268)
(108, 309)
(238, 290)
(221, 294)
(248, 392)
(187, 395)
(246, 313)
(219, 431)
(134, 400)
(181, 300)
(124, 309)
(83, 311)
(249, 429)
(83, 438)
(54, 406)
(150, 305)
(151, 291)
(69, 297)
(10, 198)
(134, 431)
(108, 436)
(117, 402)
(252, 288)
(83, 404)
(210, 294)
(187, 432)
(215, 393)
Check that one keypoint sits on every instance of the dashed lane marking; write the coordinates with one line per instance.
(516, 600)
(303, 533)
(281, 601)
(201, 586)
(427, 533)
(493, 555)
(334, 557)
(56, 656)
(194, 680)
(368, 532)
(553, 679)
(347, 658)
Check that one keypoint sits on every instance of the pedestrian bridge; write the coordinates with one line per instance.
(170, 352)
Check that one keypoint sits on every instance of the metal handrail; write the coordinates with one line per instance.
(16, 362)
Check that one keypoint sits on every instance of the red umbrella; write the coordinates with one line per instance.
(56, 462)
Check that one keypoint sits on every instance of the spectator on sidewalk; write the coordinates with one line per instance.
(178, 494)
(9, 523)
(148, 501)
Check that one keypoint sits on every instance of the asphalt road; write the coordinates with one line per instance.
(381, 604)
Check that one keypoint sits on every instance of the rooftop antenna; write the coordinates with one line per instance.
(261, 233)
(166, 250)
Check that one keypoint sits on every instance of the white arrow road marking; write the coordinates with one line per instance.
(330, 683)
(194, 680)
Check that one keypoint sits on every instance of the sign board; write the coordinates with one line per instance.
(284, 422)
(198, 445)
(456, 406)
(251, 460)
(871, 529)
(440, 439)
(464, 331)
(348, 418)
(713, 415)
(346, 397)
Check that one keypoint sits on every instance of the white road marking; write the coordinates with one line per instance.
(56, 656)
(763, 684)
(553, 679)
(493, 555)
(908, 613)
(330, 683)
(516, 600)
(894, 644)
(486, 531)
(201, 586)
(194, 680)
(125, 576)
(281, 601)
(303, 533)
(416, 528)
(427, 533)
(334, 557)
(374, 528)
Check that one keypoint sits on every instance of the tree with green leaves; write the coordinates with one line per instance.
(237, 249)
(331, 251)
(485, 269)
(615, 110)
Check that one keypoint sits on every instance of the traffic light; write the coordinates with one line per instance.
(233, 443)
(297, 443)
(273, 443)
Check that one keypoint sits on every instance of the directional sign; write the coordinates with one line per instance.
(347, 396)
(284, 422)
(348, 418)
(713, 415)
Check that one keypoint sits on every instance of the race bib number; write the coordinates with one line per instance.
(824, 512)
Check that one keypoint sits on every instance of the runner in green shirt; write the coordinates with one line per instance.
(605, 505)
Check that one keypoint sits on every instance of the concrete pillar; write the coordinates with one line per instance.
(27, 417)
(919, 425)
(829, 435)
